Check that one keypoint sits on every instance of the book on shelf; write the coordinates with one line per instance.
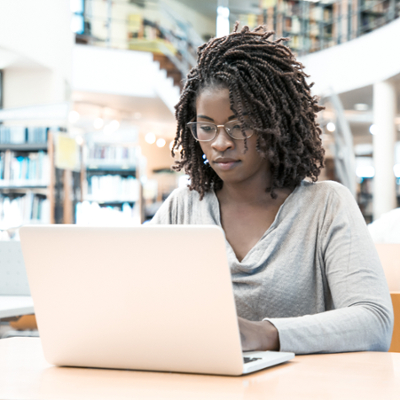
(113, 155)
(296, 26)
(314, 29)
(290, 8)
(374, 5)
(23, 135)
(24, 168)
(92, 214)
(316, 13)
(113, 188)
(28, 208)
(328, 14)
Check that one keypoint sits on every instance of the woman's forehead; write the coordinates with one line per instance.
(214, 91)
(218, 99)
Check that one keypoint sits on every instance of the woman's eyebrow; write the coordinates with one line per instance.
(210, 119)
(205, 117)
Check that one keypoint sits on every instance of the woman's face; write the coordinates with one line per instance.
(227, 156)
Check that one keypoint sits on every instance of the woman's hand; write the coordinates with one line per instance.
(256, 335)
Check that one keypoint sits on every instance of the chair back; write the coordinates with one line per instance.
(389, 254)
(395, 344)
(13, 278)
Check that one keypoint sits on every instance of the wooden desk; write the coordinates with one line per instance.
(25, 374)
(12, 306)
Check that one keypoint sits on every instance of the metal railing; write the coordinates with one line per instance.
(102, 24)
(311, 26)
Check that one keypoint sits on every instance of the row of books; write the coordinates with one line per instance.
(113, 154)
(292, 25)
(377, 6)
(113, 188)
(23, 209)
(92, 214)
(23, 135)
(33, 167)
(316, 12)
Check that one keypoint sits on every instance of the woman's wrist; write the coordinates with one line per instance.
(258, 335)
(270, 335)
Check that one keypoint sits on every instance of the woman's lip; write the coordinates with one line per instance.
(227, 165)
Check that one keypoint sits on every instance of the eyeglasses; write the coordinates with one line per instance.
(207, 131)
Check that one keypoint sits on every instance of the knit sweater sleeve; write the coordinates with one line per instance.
(362, 315)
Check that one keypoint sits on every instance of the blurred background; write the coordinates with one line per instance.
(88, 88)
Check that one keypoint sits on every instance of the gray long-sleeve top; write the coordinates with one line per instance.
(314, 274)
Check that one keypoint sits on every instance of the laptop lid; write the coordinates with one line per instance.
(149, 297)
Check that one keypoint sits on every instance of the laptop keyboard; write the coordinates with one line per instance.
(250, 359)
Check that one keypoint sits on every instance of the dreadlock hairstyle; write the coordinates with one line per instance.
(267, 83)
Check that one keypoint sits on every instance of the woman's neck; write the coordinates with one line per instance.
(250, 193)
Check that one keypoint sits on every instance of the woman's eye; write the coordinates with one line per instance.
(205, 128)
(236, 127)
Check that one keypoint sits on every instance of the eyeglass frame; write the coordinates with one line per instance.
(191, 123)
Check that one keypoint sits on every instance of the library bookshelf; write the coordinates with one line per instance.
(316, 25)
(27, 175)
(33, 190)
(111, 183)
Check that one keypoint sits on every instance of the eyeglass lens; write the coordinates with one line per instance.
(205, 131)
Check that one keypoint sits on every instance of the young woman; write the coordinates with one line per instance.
(305, 273)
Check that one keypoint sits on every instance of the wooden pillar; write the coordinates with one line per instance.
(67, 206)
(51, 188)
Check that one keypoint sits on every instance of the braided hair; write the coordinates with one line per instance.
(266, 83)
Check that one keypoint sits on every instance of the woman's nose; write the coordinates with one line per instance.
(222, 141)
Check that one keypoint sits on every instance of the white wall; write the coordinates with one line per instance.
(96, 69)
(129, 73)
(39, 30)
(26, 87)
(371, 58)
(36, 37)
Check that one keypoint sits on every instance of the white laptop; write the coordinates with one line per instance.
(153, 298)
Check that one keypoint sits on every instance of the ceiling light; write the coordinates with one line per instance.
(79, 140)
(372, 129)
(396, 170)
(365, 171)
(161, 142)
(150, 138)
(361, 107)
(330, 126)
(98, 123)
(73, 116)
(171, 144)
(222, 21)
